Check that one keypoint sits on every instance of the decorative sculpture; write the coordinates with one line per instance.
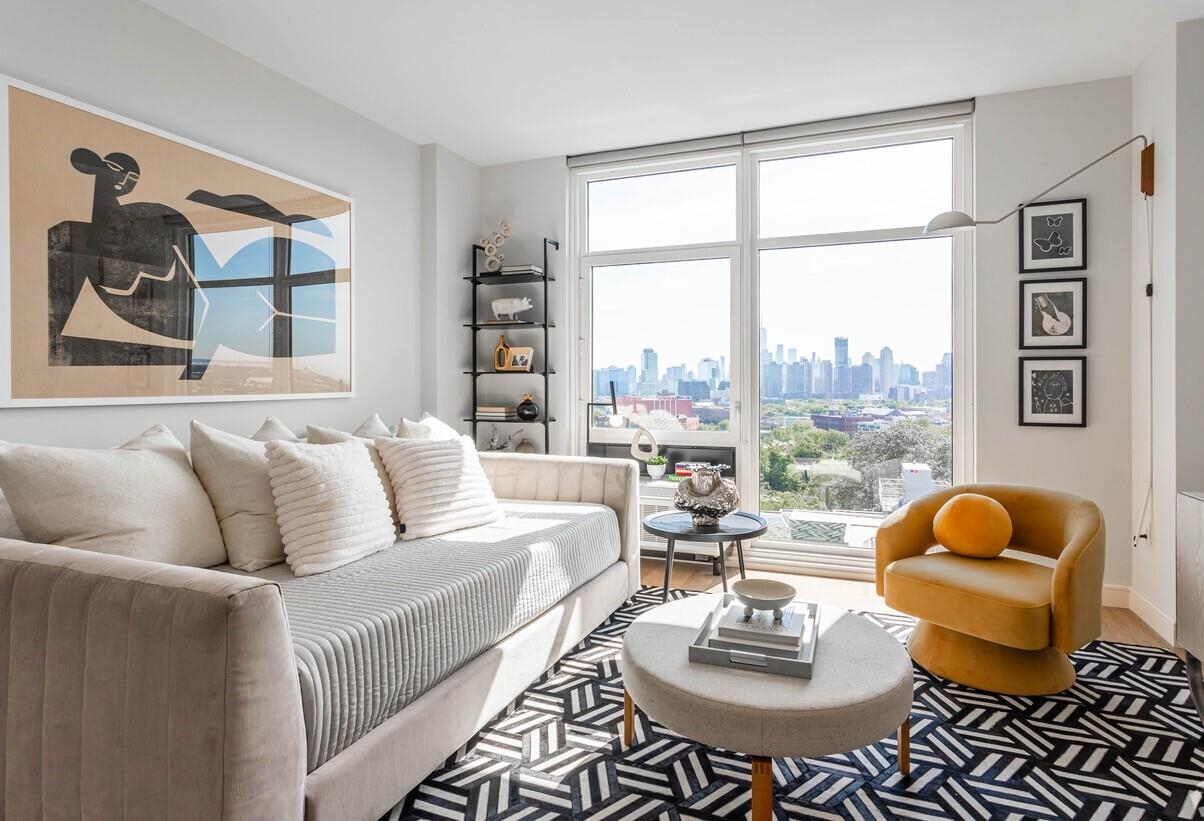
(492, 244)
(637, 451)
(510, 307)
(706, 495)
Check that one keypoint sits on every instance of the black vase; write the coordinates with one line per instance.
(527, 410)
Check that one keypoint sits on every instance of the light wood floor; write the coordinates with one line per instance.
(1119, 624)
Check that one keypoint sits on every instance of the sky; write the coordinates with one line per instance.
(877, 294)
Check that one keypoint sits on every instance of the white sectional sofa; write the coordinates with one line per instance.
(142, 690)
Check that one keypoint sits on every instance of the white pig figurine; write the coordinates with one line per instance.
(510, 307)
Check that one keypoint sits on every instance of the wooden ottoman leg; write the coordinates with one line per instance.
(762, 788)
(904, 749)
(628, 719)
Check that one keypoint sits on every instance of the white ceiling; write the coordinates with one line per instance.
(518, 79)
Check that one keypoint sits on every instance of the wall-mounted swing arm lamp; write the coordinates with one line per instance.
(954, 220)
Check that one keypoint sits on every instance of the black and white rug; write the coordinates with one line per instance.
(1124, 742)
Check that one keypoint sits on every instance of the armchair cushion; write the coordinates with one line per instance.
(973, 525)
(1005, 600)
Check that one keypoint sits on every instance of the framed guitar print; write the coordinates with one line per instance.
(1053, 236)
(1053, 313)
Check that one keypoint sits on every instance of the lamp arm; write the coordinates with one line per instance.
(1144, 142)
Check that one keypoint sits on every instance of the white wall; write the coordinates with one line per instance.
(533, 197)
(127, 58)
(1023, 143)
(451, 190)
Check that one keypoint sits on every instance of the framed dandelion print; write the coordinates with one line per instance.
(1053, 236)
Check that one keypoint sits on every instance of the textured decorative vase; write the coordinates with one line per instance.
(500, 353)
(707, 496)
(527, 410)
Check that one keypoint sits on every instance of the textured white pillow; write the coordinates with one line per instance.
(273, 429)
(234, 471)
(439, 485)
(329, 436)
(329, 504)
(373, 427)
(427, 428)
(140, 500)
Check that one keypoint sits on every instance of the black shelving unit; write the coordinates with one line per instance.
(483, 278)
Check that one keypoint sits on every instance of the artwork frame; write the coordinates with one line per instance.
(244, 195)
(1053, 248)
(1057, 382)
(1053, 313)
(519, 359)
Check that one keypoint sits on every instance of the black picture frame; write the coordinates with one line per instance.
(1042, 252)
(1054, 313)
(1076, 417)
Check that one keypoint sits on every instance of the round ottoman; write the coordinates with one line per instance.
(860, 691)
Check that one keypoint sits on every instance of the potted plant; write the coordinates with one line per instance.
(656, 466)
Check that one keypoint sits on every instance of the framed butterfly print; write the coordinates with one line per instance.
(1053, 236)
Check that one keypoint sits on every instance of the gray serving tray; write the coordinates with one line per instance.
(741, 660)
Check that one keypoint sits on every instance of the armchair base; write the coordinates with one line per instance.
(986, 665)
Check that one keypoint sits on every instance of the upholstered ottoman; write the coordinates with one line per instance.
(860, 692)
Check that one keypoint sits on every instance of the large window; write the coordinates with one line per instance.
(792, 281)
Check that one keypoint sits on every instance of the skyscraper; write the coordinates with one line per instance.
(886, 367)
(764, 339)
(650, 375)
(823, 379)
(862, 378)
(779, 355)
(798, 379)
(792, 354)
(842, 351)
(709, 371)
(771, 380)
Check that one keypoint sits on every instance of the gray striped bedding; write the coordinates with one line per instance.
(374, 635)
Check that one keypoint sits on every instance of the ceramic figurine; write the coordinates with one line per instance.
(527, 410)
(644, 436)
(510, 307)
(492, 243)
(706, 495)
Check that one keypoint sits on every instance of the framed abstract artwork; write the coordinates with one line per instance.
(1053, 391)
(141, 267)
(1053, 236)
(1053, 313)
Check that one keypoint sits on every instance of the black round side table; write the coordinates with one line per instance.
(734, 527)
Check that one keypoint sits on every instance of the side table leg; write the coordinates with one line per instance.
(740, 556)
(904, 749)
(762, 788)
(628, 719)
(723, 565)
(668, 568)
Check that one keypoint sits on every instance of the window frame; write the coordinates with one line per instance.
(745, 251)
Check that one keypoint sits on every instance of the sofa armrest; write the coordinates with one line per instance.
(1078, 579)
(143, 690)
(610, 482)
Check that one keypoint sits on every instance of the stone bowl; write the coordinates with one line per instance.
(763, 594)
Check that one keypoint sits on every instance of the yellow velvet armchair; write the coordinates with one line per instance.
(1005, 624)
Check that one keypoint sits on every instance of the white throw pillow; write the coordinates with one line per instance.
(427, 428)
(234, 471)
(273, 429)
(439, 485)
(140, 500)
(330, 506)
(329, 436)
(8, 522)
(373, 427)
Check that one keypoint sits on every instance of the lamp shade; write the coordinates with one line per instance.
(949, 220)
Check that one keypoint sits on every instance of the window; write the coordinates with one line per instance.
(792, 280)
(661, 275)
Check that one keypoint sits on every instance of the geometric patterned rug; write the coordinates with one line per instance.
(1124, 742)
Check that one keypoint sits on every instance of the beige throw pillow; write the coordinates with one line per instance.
(329, 436)
(8, 522)
(373, 427)
(234, 471)
(140, 500)
(439, 485)
(330, 506)
(272, 430)
(428, 427)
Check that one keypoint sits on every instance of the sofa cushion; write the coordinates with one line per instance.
(973, 525)
(330, 506)
(329, 436)
(8, 522)
(140, 500)
(428, 427)
(1003, 600)
(439, 485)
(373, 636)
(273, 430)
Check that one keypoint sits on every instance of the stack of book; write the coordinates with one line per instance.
(760, 633)
(507, 270)
(496, 413)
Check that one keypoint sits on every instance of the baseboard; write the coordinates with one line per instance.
(1159, 622)
(1116, 595)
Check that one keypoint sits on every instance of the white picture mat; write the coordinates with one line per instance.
(6, 341)
(1073, 262)
(1077, 288)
